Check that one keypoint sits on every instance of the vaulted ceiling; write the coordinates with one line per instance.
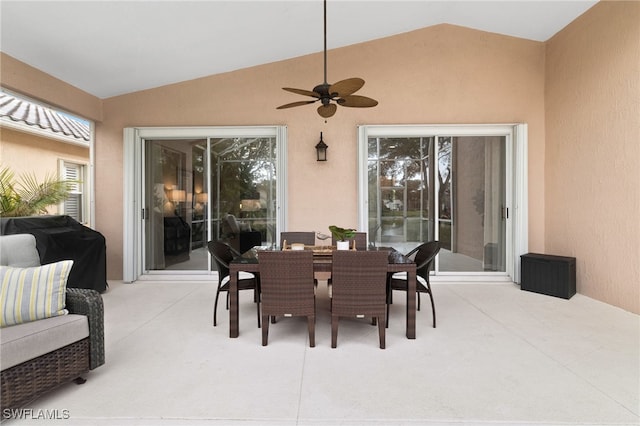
(108, 48)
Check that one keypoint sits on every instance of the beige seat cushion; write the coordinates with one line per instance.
(22, 342)
(19, 251)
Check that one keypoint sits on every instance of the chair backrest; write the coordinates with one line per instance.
(286, 282)
(359, 237)
(222, 254)
(359, 282)
(306, 238)
(425, 255)
(231, 225)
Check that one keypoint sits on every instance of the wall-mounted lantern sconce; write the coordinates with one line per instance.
(321, 149)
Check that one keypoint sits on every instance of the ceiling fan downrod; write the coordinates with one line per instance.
(325, 41)
(341, 93)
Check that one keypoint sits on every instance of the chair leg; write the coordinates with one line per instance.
(311, 321)
(386, 325)
(215, 310)
(418, 300)
(381, 332)
(389, 295)
(258, 310)
(334, 331)
(265, 330)
(433, 309)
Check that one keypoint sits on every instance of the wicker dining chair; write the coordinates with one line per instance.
(359, 288)
(223, 254)
(360, 238)
(306, 238)
(286, 281)
(425, 254)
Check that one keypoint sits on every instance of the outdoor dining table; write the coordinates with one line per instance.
(322, 262)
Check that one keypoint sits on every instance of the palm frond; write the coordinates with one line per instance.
(38, 196)
(9, 199)
(28, 196)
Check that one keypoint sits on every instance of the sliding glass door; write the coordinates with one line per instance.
(471, 198)
(446, 183)
(198, 184)
(174, 222)
(243, 178)
(399, 191)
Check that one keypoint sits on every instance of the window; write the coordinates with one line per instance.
(76, 205)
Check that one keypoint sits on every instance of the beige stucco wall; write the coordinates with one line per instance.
(31, 154)
(592, 190)
(442, 74)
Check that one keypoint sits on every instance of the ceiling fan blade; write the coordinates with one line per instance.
(328, 110)
(295, 104)
(355, 101)
(301, 92)
(346, 87)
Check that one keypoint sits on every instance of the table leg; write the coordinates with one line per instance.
(233, 303)
(411, 304)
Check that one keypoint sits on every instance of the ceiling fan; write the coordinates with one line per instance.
(332, 95)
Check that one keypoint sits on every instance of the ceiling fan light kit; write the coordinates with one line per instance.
(332, 95)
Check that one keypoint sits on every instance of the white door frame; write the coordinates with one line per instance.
(516, 183)
(133, 192)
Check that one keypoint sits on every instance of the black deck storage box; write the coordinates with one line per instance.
(548, 274)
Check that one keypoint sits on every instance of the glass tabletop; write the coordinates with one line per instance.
(319, 252)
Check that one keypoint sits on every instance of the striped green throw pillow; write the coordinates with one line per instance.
(29, 294)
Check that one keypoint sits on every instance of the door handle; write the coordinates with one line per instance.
(505, 212)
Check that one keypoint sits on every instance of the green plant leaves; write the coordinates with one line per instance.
(342, 234)
(27, 196)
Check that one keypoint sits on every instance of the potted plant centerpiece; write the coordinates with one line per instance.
(342, 235)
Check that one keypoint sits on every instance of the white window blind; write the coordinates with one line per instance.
(73, 206)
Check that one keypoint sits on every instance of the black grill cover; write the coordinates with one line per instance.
(61, 238)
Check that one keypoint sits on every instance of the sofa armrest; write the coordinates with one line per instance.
(89, 302)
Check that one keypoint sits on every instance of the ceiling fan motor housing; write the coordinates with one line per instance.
(323, 91)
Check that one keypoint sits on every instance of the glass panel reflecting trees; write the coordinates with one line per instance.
(399, 200)
(243, 182)
(440, 187)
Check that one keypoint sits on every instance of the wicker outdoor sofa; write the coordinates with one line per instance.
(39, 355)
